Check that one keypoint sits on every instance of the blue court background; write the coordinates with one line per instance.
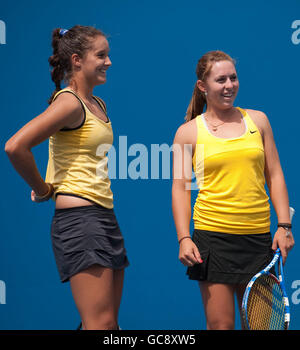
(155, 46)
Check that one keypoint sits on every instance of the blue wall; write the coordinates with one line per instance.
(155, 46)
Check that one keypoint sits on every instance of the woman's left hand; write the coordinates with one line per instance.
(283, 242)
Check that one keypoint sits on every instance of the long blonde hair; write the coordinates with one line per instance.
(204, 66)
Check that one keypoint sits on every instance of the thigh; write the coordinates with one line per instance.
(118, 288)
(93, 291)
(218, 301)
(240, 290)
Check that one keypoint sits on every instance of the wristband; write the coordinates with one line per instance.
(285, 225)
(287, 228)
(181, 239)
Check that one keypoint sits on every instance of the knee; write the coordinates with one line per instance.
(225, 324)
(102, 322)
(108, 324)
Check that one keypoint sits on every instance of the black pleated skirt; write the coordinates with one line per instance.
(230, 258)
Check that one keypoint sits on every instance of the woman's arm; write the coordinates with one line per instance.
(277, 186)
(181, 196)
(64, 111)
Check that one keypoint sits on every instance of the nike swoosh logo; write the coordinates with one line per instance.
(252, 132)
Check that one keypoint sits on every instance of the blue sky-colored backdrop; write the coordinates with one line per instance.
(155, 46)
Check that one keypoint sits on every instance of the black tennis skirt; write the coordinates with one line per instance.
(230, 258)
(84, 236)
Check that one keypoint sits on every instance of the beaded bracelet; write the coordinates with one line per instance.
(46, 196)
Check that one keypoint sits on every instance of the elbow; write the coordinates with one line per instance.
(12, 148)
(9, 147)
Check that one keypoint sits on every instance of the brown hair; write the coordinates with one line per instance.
(204, 66)
(65, 43)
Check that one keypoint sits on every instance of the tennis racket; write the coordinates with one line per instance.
(265, 303)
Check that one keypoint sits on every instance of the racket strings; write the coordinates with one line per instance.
(265, 305)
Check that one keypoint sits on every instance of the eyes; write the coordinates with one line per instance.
(102, 55)
(222, 79)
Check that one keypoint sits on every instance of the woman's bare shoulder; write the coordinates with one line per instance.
(186, 130)
(257, 116)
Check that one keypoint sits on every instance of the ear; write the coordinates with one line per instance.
(201, 86)
(76, 60)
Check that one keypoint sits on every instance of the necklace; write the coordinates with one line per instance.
(214, 127)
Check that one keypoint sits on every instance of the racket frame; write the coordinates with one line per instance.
(280, 281)
(266, 270)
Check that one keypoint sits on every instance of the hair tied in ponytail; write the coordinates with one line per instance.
(198, 100)
(62, 32)
(78, 41)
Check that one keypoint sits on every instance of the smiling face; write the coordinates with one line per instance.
(94, 64)
(221, 85)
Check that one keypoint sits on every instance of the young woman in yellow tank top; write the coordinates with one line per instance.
(87, 241)
(233, 154)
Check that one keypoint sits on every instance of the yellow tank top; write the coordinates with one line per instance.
(230, 177)
(77, 163)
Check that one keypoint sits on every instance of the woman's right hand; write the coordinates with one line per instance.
(44, 198)
(188, 253)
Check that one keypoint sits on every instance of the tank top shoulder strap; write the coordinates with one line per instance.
(250, 123)
(71, 92)
(101, 103)
(98, 99)
(201, 130)
(81, 102)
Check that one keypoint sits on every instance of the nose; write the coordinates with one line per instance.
(228, 83)
(108, 61)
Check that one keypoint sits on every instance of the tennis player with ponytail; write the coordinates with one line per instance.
(233, 154)
(87, 241)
